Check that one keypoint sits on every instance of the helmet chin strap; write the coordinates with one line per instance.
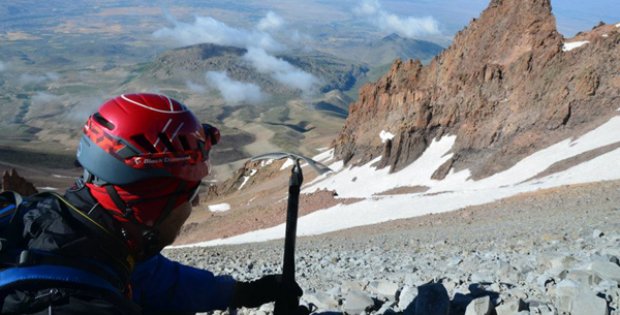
(149, 234)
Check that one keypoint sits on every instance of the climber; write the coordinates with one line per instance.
(96, 249)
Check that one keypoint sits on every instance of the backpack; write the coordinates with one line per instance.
(19, 264)
(30, 279)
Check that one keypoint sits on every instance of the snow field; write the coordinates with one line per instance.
(574, 45)
(454, 192)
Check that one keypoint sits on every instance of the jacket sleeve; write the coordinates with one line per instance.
(162, 285)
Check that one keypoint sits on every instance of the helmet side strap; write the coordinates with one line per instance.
(170, 204)
(149, 234)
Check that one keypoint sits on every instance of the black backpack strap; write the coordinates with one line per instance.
(110, 245)
(9, 202)
(104, 236)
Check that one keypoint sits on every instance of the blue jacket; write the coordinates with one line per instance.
(159, 284)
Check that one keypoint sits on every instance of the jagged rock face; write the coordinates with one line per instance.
(505, 87)
(14, 182)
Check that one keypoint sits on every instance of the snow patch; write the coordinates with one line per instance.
(573, 45)
(366, 180)
(385, 136)
(264, 163)
(246, 178)
(287, 164)
(324, 156)
(290, 162)
(220, 207)
(618, 25)
(60, 176)
(605, 35)
(47, 188)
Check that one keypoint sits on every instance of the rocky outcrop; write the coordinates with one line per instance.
(505, 88)
(12, 181)
(252, 172)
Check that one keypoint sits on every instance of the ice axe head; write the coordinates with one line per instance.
(318, 167)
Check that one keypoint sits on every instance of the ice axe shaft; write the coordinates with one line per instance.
(286, 306)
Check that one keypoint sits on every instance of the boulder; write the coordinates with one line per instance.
(481, 306)
(323, 301)
(605, 270)
(406, 297)
(357, 302)
(576, 299)
(384, 288)
(584, 277)
(511, 307)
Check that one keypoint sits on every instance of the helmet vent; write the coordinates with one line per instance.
(144, 143)
(102, 121)
(184, 143)
(164, 139)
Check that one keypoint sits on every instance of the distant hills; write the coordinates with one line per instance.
(392, 47)
(176, 66)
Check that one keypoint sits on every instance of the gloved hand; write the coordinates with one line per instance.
(264, 290)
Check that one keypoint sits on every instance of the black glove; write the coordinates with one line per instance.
(266, 289)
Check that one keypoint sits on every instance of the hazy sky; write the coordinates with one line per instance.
(572, 15)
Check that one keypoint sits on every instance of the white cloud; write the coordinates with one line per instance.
(86, 106)
(195, 87)
(280, 70)
(368, 7)
(210, 30)
(409, 27)
(28, 78)
(234, 92)
(271, 21)
(259, 44)
(44, 98)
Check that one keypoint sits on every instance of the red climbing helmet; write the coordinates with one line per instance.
(134, 137)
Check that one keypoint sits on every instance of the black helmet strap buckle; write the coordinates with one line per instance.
(150, 235)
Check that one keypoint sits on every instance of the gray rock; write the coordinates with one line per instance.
(323, 301)
(353, 286)
(511, 307)
(574, 298)
(406, 297)
(454, 261)
(562, 262)
(481, 277)
(605, 270)
(542, 309)
(508, 273)
(597, 233)
(385, 309)
(481, 306)
(357, 302)
(584, 277)
(432, 299)
(384, 288)
(543, 281)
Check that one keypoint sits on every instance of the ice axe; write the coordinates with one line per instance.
(286, 306)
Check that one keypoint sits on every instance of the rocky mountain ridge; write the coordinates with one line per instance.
(505, 87)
